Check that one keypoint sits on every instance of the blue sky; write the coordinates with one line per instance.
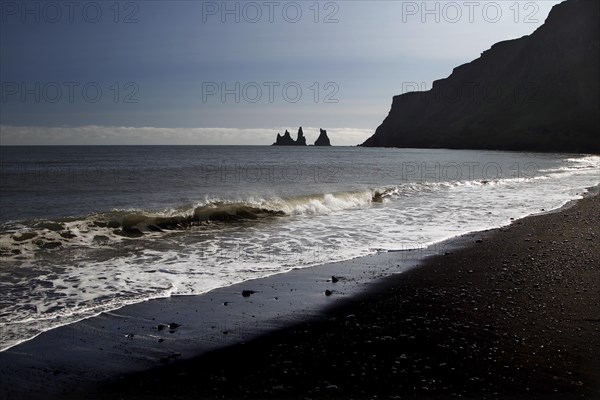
(97, 72)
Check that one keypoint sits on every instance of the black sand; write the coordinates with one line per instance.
(514, 315)
(507, 313)
(73, 359)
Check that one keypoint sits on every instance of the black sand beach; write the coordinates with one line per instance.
(514, 315)
(507, 313)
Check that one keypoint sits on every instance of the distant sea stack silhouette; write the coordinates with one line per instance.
(537, 93)
(323, 139)
(286, 139)
(301, 140)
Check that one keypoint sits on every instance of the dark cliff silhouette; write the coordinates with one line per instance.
(286, 139)
(323, 139)
(537, 93)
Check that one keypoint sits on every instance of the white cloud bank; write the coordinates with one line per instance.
(122, 135)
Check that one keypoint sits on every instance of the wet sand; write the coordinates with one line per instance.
(73, 359)
(515, 314)
(506, 313)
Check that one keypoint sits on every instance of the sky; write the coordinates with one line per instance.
(231, 72)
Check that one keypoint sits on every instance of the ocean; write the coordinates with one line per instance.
(87, 229)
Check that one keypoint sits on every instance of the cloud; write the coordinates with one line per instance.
(123, 135)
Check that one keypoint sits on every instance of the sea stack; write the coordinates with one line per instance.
(301, 140)
(286, 139)
(323, 140)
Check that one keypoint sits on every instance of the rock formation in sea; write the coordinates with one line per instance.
(537, 93)
(323, 139)
(286, 139)
(301, 140)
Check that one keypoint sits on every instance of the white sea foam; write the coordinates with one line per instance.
(97, 270)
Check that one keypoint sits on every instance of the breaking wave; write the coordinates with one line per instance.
(60, 270)
(21, 240)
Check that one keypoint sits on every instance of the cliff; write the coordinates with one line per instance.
(537, 93)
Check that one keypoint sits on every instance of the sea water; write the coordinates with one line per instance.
(86, 229)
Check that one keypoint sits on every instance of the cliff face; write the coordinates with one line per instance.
(537, 93)
(323, 139)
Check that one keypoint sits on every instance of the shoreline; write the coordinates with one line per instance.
(515, 314)
(423, 249)
(138, 337)
(101, 349)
